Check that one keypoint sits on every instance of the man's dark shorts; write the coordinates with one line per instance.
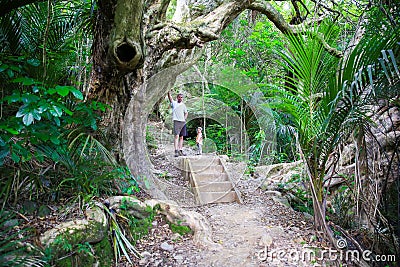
(180, 128)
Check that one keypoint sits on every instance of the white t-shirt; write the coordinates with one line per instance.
(178, 111)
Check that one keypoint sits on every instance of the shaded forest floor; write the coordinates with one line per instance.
(259, 232)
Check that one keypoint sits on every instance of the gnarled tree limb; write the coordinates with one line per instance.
(279, 21)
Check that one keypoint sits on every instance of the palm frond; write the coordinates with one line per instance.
(11, 251)
(10, 33)
(119, 240)
(84, 145)
(354, 94)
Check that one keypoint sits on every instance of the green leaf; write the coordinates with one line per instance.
(24, 80)
(34, 62)
(57, 121)
(15, 68)
(28, 119)
(56, 111)
(10, 73)
(10, 130)
(3, 153)
(78, 94)
(15, 97)
(51, 91)
(69, 112)
(42, 136)
(15, 157)
(93, 124)
(55, 140)
(39, 156)
(3, 67)
(22, 111)
(36, 114)
(29, 98)
(62, 90)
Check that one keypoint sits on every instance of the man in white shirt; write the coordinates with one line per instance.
(179, 115)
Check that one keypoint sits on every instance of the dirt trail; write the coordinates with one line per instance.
(259, 232)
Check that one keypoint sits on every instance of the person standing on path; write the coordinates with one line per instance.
(199, 141)
(179, 115)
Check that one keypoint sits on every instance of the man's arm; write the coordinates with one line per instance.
(185, 112)
(170, 97)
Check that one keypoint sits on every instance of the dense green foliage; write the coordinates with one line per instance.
(52, 149)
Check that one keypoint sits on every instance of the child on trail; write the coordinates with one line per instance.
(199, 140)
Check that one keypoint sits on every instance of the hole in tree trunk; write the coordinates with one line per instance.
(126, 52)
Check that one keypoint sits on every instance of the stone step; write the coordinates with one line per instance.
(209, 180)
(217, 197)
(211, 177)
(207, 168)
(204, 161)
(214, 186)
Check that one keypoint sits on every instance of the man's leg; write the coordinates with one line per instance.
(180, 142)
(176, 138)
(181, 146)
(176, 145)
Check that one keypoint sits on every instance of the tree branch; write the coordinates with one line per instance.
(195, 33)
(275, 17)
(157, 9)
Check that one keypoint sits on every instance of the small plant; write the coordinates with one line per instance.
(343, 207)
(85, 248)
(180, 229)
(251, 167)
(191, 142)
(139, 225)
(302, 202)
(165, 175)
(150, 140)
(121, 244)
(256, 149)
(63, 243)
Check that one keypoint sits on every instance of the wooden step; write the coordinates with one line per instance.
(211, 177)
(209, 180)
(217, 197)
(204, 161)
(214, 186)
(205, 168)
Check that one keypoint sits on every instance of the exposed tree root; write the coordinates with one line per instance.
(89, 231)
(173, 213)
